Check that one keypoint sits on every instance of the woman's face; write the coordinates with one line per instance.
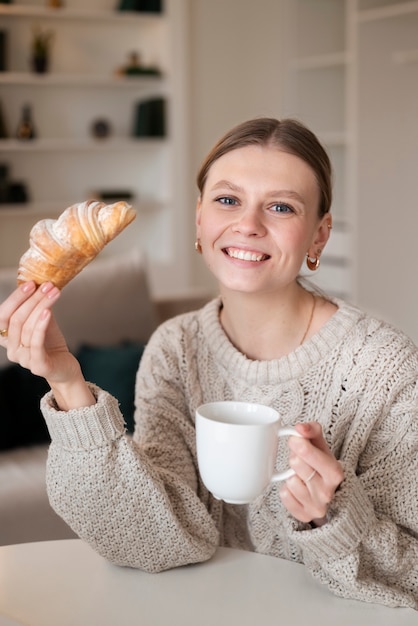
(258, 217)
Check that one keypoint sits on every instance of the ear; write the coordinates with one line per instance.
(321, 236)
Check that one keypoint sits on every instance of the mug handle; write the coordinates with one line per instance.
(287, 431)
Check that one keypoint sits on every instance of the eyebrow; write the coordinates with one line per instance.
(227, 183)
(278, 192)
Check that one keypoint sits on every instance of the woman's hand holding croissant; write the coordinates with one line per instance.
(34, 340)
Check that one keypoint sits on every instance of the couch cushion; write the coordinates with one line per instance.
(21, 422)
(107, 303)
(114, 368)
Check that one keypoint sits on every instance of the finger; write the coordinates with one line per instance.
(311, 442)
(39, 332)
(305, 472)
(34, 356)
(306, 501)
(43, 300)
(323, 462)
(12, 303)
(294, 502)
(313, 432)
(24, 318)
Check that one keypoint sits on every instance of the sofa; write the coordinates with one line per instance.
(107, 315)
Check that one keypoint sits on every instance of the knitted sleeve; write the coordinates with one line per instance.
(135, 501)
(368, 550)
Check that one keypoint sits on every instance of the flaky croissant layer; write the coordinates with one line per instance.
(59, 249)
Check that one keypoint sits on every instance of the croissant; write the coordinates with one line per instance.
(60, 249)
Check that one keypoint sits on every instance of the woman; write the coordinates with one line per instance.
(347, 382)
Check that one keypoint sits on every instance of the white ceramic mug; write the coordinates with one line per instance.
(237, 448)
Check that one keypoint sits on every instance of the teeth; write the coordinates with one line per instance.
(245, 255)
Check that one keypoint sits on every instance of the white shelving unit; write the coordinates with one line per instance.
(387, 149)
(353, 78)
(80, 80)
(71, 13)
(318, 58)
(65, 164)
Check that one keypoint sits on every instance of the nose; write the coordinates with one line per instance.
(249, 222)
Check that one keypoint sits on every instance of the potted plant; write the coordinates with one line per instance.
(40, 50)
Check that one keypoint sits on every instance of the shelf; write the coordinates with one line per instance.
(26, 11)
(320, 61)
(51, 209)
(371, 15)
(93, 41)
(82, 80)
(70, 144)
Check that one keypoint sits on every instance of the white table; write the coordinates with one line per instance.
(65, 583)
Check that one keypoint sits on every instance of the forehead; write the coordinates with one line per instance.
(268, 165)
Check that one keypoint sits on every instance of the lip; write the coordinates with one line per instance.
(243, 253)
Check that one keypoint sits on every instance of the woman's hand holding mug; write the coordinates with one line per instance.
(237, 446)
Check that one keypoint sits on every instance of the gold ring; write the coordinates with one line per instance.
(310, 477)
(4, 332)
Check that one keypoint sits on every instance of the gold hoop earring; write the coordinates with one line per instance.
(198, 246)
(312, 264)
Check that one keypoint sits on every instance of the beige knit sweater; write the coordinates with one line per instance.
(141, 503)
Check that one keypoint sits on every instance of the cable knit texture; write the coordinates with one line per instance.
(140, 502)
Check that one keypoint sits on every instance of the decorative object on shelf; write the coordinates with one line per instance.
(149, 119)
(18, 193)
(113, 195)
(4, 182)
(55, 4)
(101, 129)
(134, 67)
(11, 192)
(41, 49)
(3, 129)
(128, 5)
(3, 50)
(145, 6)
(26, 127)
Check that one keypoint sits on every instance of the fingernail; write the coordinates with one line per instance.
(46, 287)
(27, 287)
(53, 293)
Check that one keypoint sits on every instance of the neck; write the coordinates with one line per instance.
(267, 326)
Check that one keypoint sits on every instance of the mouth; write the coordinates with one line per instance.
(245, 255)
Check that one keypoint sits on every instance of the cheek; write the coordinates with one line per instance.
(210, 229)
(296, 238)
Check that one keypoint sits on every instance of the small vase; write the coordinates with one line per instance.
(40, 64)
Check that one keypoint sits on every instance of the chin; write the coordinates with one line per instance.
(241, 287)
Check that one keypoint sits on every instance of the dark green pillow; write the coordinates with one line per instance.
(114, 368)
(21, 421)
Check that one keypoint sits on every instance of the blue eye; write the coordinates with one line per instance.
(227, 200)
(281, 207)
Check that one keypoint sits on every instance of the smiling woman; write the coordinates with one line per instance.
(259, 210)
(345, 381)
(263, 208)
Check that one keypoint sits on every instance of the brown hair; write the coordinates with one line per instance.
(288, 135)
